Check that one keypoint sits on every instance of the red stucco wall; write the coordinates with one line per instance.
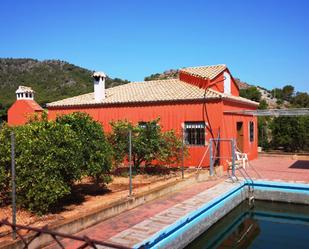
(172, 116)
(229, 127)
(21, 111)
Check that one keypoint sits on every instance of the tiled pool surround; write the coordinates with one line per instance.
(191, 225)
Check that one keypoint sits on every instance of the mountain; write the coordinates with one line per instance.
(50, 79)
(169, 74)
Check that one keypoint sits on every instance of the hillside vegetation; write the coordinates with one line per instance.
(50, 79)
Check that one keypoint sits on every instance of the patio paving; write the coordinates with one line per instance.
(281, 168)
(132, 227)
(115, 228)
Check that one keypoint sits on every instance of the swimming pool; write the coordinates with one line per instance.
(266, 225)
(227, 196)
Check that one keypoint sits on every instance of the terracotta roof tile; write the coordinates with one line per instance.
(148, 91)
(205, 71)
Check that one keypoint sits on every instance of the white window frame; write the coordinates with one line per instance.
(194, 125)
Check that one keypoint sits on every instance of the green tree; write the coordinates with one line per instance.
(251, 93)
(287, 92)
(149, 143)
(171, 148)
(5, 159)
(277, 93)
(301, 99)
(263, 104)
(47, 164)
(96, 151)
(51, 156)
(290, 133)
(119, 140)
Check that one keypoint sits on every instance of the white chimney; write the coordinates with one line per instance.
(99, 86)
(24, 92)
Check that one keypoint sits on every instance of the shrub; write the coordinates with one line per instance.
(5, 162)
(171, 148)
(50, 156)
(149, 143)
(118, 139)
(252, 93)
(47, 164)
(291, 133)
(96, 151)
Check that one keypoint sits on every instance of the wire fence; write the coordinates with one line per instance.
(14, 214)
(57, 237)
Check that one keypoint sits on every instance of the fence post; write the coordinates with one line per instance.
(211, 168)
(130, 162)
(13, 184)
(233, 156)
(182, 155)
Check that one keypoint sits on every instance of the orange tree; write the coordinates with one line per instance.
(96, 151)
(50, 157)
(149, 143)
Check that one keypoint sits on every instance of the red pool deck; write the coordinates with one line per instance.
(280, 168)
(107, 229)
(270, 168)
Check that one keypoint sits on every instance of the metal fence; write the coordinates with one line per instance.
(57, 237)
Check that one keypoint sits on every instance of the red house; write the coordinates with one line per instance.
(24, 107)
(198, 103)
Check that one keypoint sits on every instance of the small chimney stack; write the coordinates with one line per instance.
(99, 86)
(24, 92)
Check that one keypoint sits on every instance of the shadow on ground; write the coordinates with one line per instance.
(300, 164)
(78, 195)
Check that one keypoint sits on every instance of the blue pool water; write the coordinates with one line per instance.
(267, 225)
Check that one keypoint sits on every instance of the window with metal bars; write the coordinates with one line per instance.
(194, 133)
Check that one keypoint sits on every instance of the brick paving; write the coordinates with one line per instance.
(143, 230)
(281, 168)
(132, 227)
(107, 229)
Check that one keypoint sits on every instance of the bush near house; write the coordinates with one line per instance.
(285, 133)
(290, 133)
(96, 151)
(149, 144)
(5, 159)
(50, 157)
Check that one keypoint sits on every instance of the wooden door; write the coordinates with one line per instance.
(240, 136)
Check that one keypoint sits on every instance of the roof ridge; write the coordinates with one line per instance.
(146, 81)
(195, 67)
(209, 72)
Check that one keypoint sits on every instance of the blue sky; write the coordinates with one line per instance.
(263, 42)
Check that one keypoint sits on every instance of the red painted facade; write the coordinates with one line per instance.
(173, 115)
(22, 110)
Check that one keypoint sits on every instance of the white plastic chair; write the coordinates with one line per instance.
(243, 157)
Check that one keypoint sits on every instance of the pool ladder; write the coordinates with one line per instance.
(249, 182)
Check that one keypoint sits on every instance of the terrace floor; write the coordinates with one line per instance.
(281, 168)
(131, 227)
